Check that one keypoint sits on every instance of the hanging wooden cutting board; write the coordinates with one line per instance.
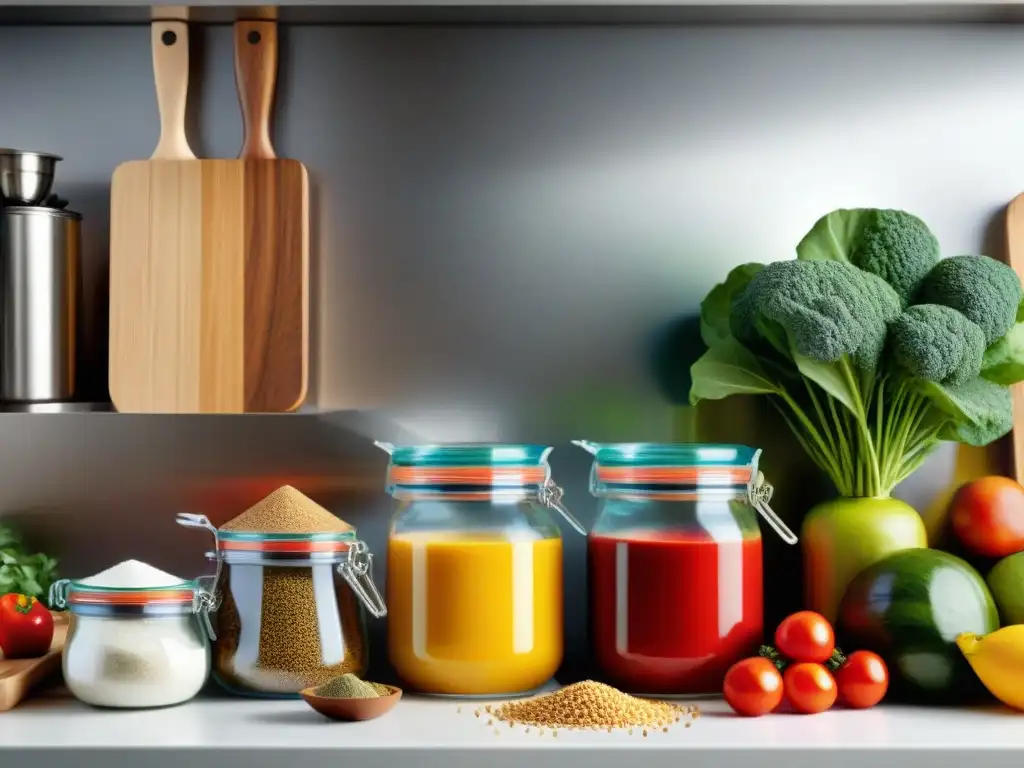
(196, 301)
(276, 216)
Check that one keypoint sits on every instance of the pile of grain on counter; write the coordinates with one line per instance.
(591, 706)
(290, 655)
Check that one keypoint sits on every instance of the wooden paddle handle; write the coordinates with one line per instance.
(170, 70)
(256, 79)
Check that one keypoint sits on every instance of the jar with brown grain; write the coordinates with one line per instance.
(291, 599)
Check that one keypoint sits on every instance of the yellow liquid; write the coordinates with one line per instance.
(474, 616)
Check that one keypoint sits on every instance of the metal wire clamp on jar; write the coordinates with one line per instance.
(135, 647)
(474, 569)
(284, 623)
(675, 563)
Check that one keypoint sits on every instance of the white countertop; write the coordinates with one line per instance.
(433, 733)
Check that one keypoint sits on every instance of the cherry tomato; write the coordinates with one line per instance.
(987, 515)
(863, 680)
(810, 688)
(805, 636)
(26, 627)
(753, 687)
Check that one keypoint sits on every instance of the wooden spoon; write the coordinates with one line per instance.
(351, 710)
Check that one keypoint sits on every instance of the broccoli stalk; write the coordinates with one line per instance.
(871, 351)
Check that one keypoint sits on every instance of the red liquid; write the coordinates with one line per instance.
(680, 613)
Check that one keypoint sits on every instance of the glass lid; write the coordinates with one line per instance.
(130, 583)
(295, 543)
(670, 454)
(467, 455)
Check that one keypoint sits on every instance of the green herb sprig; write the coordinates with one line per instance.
(21, 572)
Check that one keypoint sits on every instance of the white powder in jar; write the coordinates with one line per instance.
(128, 660)
(134, 662)
(130, 574)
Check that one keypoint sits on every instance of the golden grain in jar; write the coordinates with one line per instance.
(290, 598)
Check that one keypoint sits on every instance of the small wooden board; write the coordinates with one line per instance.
(207, 314)
(1015, 258)
(19, 676)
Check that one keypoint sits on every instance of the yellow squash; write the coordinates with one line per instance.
(998, 661)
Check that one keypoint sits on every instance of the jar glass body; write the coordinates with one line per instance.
(474, 585)
(675, 580)
(135, 661)
(283, 626)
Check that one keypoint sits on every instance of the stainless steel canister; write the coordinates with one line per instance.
(39, 286)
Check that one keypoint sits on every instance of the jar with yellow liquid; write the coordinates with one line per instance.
(474, 575)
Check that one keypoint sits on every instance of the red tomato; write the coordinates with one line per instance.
(26, 627)
(863, 680)
(753, 687)
(987, 516)
(810, 688)
(805, 636)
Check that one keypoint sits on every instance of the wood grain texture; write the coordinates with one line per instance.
(1015, 258)
(222, 336)
(256, 80)
(277, 236)
(19, 676)
(209, 265)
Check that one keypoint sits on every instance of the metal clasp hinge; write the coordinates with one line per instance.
(58, 596)
(551, 495)
(357, 570)
(760, 493)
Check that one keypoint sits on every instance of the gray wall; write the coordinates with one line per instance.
(507, 223)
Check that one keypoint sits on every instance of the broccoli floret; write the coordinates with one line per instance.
(937, 343)
(828, 308)
(983, 290)
(897, 247)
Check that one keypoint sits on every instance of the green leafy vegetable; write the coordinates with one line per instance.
(894, 245)
(983, 290)
(938, 343)
(27, 574)
(871, 348)
(1003, 362)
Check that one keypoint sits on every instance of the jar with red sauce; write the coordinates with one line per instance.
(675, 563)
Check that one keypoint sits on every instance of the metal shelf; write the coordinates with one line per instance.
(79, 12)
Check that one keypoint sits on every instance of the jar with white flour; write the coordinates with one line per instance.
(138, 636)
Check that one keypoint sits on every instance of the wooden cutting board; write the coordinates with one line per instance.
(202, 317)
(19, 676)
(276, 214)
(1015, 258)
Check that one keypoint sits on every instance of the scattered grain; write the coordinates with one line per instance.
(687, 725)
(589, 705)
(287, 510)
(490, 721)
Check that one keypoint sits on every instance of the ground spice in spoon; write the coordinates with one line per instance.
(348, 686)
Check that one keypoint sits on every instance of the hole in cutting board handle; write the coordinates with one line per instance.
(254, 37)
(168, 38)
